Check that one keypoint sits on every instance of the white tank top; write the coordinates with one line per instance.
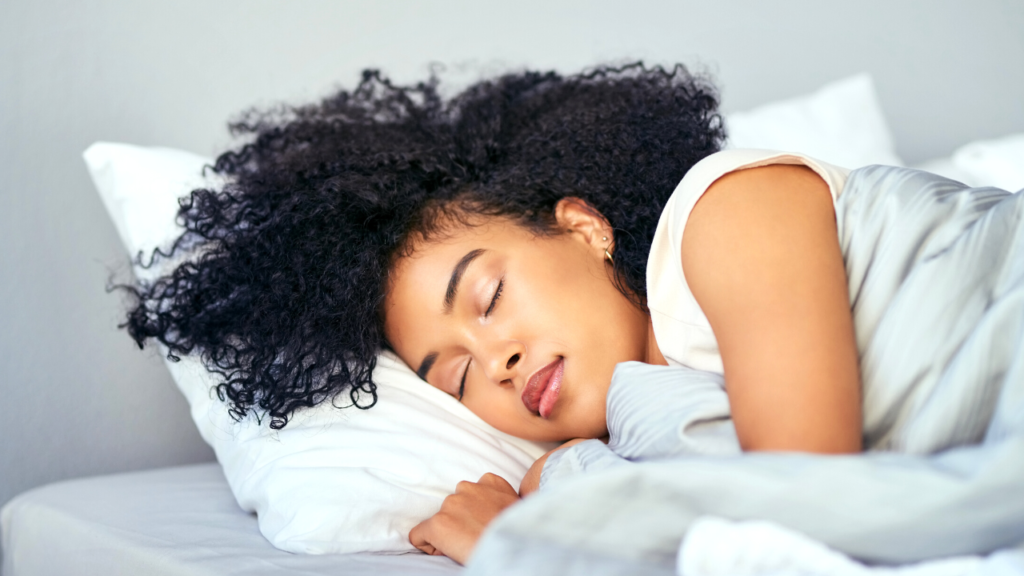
(683, 333)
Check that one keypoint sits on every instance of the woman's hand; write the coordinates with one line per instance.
(455, 529)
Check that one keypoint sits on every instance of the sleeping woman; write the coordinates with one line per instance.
(513, 244)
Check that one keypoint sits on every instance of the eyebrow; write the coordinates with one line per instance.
(453, 282)
(426, 365)
(449, 303)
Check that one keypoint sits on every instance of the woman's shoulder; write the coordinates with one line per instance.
(706, 172)
(703, 174)
(681, 327)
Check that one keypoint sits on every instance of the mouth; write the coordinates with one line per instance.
(541, 392)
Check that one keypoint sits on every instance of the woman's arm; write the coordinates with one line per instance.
(531, 481)
(761, 255)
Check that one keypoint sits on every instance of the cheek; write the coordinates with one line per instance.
(561, 299)
(585, 416)
(502, 413)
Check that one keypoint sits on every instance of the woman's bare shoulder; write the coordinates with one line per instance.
(762, 257)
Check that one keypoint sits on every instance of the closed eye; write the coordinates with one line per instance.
(462, 385)
(494, 299)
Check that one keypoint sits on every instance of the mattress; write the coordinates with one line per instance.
(168, 522)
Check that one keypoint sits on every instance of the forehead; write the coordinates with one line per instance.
(418, 279)
(438, 253)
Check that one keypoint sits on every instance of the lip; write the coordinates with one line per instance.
(541, 392)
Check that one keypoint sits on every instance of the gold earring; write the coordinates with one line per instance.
(606, 253)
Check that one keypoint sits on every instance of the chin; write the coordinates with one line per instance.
(589, 429)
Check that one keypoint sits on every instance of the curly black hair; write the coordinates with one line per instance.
(282, 292)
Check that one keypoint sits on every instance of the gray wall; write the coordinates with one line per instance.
(76, 398)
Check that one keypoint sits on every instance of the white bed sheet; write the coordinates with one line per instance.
(179, 521)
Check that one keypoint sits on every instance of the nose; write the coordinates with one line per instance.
(502, 363)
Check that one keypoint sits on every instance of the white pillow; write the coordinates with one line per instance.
(841, 123)
(998, 163)
(333, 480)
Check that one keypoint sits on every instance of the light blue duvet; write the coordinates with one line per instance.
(936, 283)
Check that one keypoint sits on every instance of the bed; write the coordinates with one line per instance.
(180, 521)
(203, 519)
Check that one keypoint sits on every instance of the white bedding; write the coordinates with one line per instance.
(179, 521)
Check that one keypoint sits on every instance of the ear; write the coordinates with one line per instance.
(576, 216)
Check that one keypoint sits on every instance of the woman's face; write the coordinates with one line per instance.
(526, 330)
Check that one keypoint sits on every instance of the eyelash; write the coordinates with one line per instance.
(462, 386)
(494, 300)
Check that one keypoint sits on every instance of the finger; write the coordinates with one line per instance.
(450, 505)
(464, 486)
(419, 537)
(495, 481)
